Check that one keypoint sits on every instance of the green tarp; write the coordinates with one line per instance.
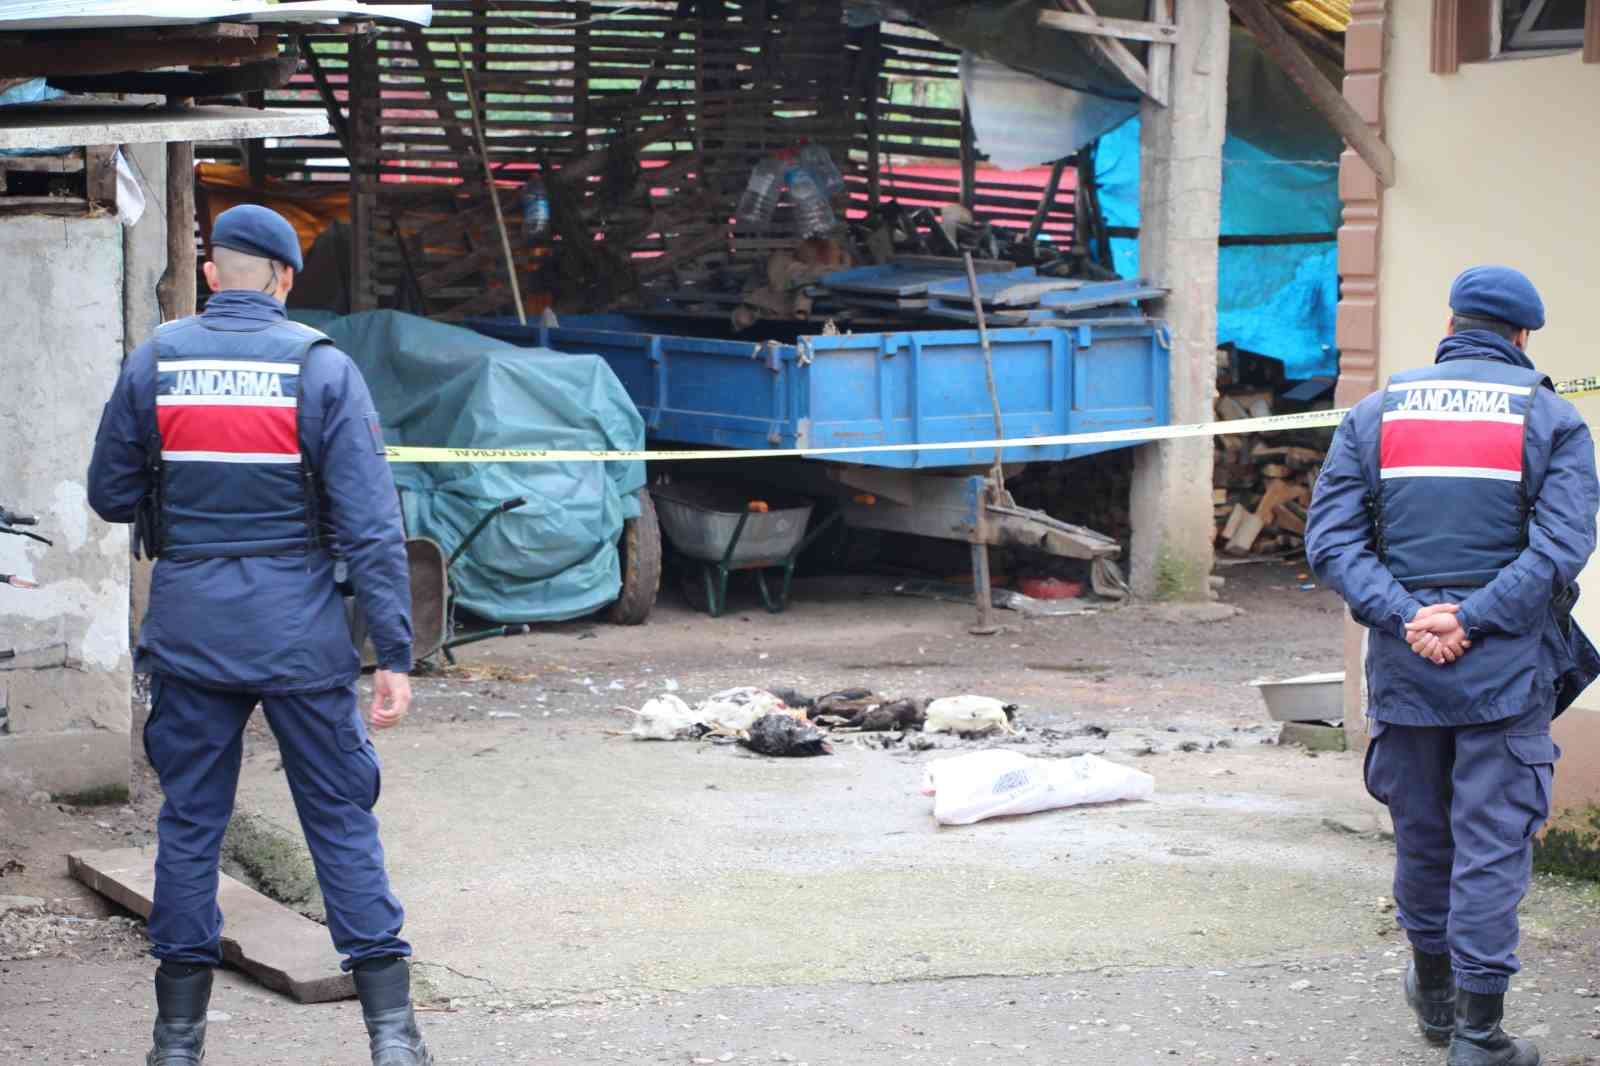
(440, 385)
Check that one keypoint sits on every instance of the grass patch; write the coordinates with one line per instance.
(1180, 579)
(274, 862)
(104, 796)
(1571, 846)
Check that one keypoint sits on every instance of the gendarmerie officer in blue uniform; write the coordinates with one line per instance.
(1453, 514)
(245, 449)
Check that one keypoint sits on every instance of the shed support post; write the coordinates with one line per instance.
(1180, 203)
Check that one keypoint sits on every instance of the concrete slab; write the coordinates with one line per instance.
(544, 863)
(1313, 736)
(64, 764)
(279, 948)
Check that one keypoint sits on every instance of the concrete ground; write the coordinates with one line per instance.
(577, 897)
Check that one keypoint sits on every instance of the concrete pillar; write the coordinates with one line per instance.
(144, 254)
(1180, 206)
(69, 692)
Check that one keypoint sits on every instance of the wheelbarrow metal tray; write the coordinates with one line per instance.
(909, 387)
(701, 520)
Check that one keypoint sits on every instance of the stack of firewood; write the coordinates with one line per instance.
(1262, 482)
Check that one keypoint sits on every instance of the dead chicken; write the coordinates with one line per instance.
(784, 735)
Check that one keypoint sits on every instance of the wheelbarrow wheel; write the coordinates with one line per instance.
(640, 549)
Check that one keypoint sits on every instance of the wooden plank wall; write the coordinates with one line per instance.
(560, 78)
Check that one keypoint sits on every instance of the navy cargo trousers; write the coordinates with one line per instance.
(1466, 803)
(194, 739)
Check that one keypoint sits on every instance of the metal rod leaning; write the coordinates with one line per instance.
(988, 366)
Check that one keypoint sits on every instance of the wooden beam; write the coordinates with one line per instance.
(68, 125)
(245, 78)
(1111, 50)
(1100, 26)
(1591, 32)
(969, 156)
(1159, 63)
(1047, 202)
(285, 951)
(363, 130)
(177, 290)
(330, 102)
(196, 31)
(443, 106)
(100, 174)
(1328, 100)
(481, 260)
(1311, 37)
(255, 150)
(114, 56)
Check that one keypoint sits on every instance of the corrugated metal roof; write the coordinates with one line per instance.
(119, 14)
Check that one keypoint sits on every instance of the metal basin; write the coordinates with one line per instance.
(1309, 698)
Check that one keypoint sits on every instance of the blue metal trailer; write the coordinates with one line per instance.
(847, 390)
(859, 389)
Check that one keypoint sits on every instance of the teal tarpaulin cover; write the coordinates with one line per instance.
(437, 385)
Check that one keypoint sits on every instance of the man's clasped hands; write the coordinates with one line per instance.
(1436, 634)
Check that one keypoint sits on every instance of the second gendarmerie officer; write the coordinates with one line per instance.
(1453, 514)
(246, 449)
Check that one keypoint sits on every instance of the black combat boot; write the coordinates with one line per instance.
(182, 995)
(384, 986)
(1479, 1040)
(1431, 991)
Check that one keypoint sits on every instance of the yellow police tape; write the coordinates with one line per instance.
(1270, 423)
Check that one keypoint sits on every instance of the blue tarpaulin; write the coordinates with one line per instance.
(439, 385)
(1274, 299)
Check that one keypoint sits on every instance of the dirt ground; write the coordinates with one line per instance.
(1240, 918)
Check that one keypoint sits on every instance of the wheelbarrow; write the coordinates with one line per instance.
(723, 531)
(434, 626)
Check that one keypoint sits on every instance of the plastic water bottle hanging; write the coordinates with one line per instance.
(813, 215)
(817, 159)
(761, 193)
(535, 209)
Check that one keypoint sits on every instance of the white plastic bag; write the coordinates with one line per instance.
(992, 784)
(967, 716)
(665, 718)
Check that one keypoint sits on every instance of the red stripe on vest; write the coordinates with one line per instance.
(1424, 442)
(244, 430)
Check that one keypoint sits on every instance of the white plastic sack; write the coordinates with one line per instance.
(992, 784)
(967, 716)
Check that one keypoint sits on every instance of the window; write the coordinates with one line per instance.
(1469, 31)
(1526, 25)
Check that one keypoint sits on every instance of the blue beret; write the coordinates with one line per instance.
(259, 231)
(1500, 293)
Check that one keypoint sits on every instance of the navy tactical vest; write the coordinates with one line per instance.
(1452, 507)
(232, 480)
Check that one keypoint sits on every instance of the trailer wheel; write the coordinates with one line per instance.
(640, 549)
